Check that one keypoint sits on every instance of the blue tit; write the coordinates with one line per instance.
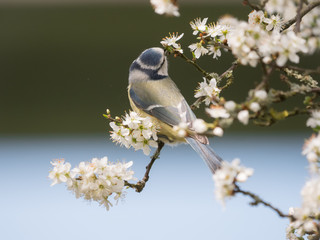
(152, 93)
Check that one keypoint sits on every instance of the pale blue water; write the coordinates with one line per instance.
(177, 203)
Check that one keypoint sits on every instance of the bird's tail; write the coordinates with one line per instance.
(212, 160)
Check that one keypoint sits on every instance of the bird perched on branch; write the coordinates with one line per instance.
(152, 93)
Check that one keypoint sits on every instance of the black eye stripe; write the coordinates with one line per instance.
(164, 59)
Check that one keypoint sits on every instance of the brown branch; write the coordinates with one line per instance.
(303, 12)
(257, 200)
(197, 103)
(297, 27)
(234, 65)
(200, 69)
(231, 68)
(139, 186)
(253, 6)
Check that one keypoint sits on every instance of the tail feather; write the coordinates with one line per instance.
(212, 160)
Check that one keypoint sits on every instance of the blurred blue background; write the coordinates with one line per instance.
(62, 65)
(177, 203)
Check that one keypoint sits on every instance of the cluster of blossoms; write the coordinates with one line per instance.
(227, 111)
(310, 24)
(96, 180)
(306, 219)
(207, 91)
(170, 43)
(134, 131)
(165, 7)
(211, 34)
(227, 176)
(314, 120)
(312, 152)
(260, 38)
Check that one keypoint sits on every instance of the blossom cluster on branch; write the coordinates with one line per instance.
(134, 131)
(96, 180)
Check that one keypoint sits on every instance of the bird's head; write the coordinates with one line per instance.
(150, 65)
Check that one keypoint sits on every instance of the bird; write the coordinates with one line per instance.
(153, 93)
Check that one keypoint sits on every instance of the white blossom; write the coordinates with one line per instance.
(215, 51)
(243, 116)
(215, 30)
(244, 40)
(135, 131)
(275, 23)
(199, 125)
(311, 150)
(314, 120)
(165, 7)
(218, 131)
(311, 195)
(198, 49)
(286, 8)
(217, 112)
(96, 180)
(228, 20)
(198, 26)
(208, 91)
(181, 129)
(256, 17)
(60, 172)
(254, 106)
(305, 218)
(172, 41)
(230, 106)
(288, 48)
(261, 94)
(226, 177)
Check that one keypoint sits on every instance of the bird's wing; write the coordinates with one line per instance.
(162, 100)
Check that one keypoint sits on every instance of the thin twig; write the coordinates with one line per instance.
(231, 68)
(206, 74)
(297, 27)
(257, 200)
(253, 6)
(303, 12)
(141, 184)
(197, 103)
(305, 70)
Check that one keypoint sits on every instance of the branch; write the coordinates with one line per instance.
(297, 27)
(257, 200)
(230, 69)
(139, 186)
(253, 6)
(234, 65)
(303, 12)
(206, 74)
(300, 69)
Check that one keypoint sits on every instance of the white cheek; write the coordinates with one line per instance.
(164, 69)
(136, 75)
